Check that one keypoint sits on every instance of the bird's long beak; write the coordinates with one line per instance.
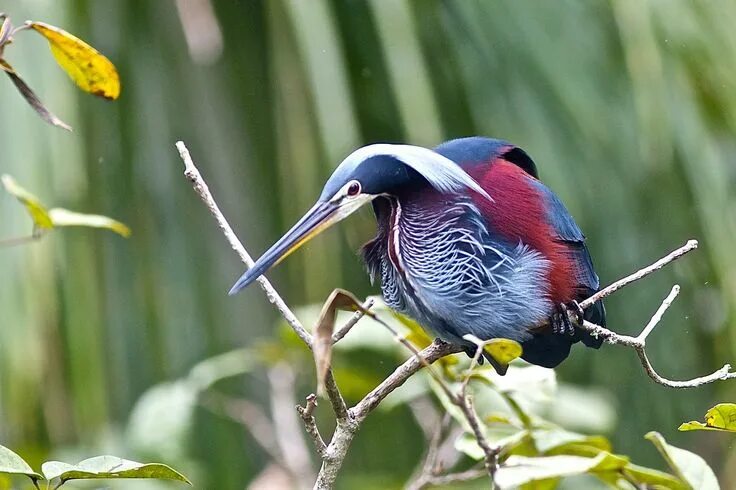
(319, 218)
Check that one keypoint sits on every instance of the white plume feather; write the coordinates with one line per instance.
(441, 172)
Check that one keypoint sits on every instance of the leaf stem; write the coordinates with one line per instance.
(20, 240)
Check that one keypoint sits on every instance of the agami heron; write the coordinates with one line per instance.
(469, 241)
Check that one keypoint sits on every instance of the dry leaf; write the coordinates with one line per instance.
(89, 69)
(32, 98)
(339, 299)
(6, 30)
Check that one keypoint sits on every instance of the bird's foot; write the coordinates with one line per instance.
(561, 318)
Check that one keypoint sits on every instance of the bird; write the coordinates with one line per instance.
(469, 241)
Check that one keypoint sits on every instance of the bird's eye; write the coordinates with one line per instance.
(354, 188)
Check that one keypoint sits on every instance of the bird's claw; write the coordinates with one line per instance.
(560, 321)
(575, 308)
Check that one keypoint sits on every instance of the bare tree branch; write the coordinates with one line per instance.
(638, 343)
(360, 313)
(18, 240)
(465, 402)
(346, 428)
(434, 351)
(440, 480)
(608, 290)
(310, 424)
(296, 454)
(429, 467)
(200, 187)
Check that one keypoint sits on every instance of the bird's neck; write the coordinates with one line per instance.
(414, 230)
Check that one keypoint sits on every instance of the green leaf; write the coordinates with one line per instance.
(109, 467)
(38, 212)
(519, 470)
(549, 484)
(654, 478)
(584, 409)
(557, 441)
(686, 465)
(233, 363)
(524, 390)
(162, 418)
(45, 219)
(12, 464)
(722, 417)
(64, 217)
(508, 437)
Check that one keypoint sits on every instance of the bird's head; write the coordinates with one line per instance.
(365, 174)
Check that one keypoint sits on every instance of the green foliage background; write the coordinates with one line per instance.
(628, 107)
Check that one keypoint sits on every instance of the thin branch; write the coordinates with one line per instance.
(296, 454)
(310, 424)
(638, 343)
(434, 351)
(36, 234)
(18, 240)
(465, 402)
(657, 317)
(200, 187)
(441, 480)
(461, 399)
(430, 465)
(342, 331)
(490, 453)
(346, 428)
(336, 399)
(674, 255)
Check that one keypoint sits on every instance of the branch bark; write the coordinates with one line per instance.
(310, 424)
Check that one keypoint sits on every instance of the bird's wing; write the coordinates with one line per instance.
(567, 231)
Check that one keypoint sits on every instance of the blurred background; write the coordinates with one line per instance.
(627, 106)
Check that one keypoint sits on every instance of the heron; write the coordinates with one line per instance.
(468, 241)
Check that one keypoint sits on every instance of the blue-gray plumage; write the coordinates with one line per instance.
(469, 241)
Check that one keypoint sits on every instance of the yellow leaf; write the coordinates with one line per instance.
(40, 216)
(721, 417)
(64, 217)
(89, 69)
(417, 336)
(503, 350)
